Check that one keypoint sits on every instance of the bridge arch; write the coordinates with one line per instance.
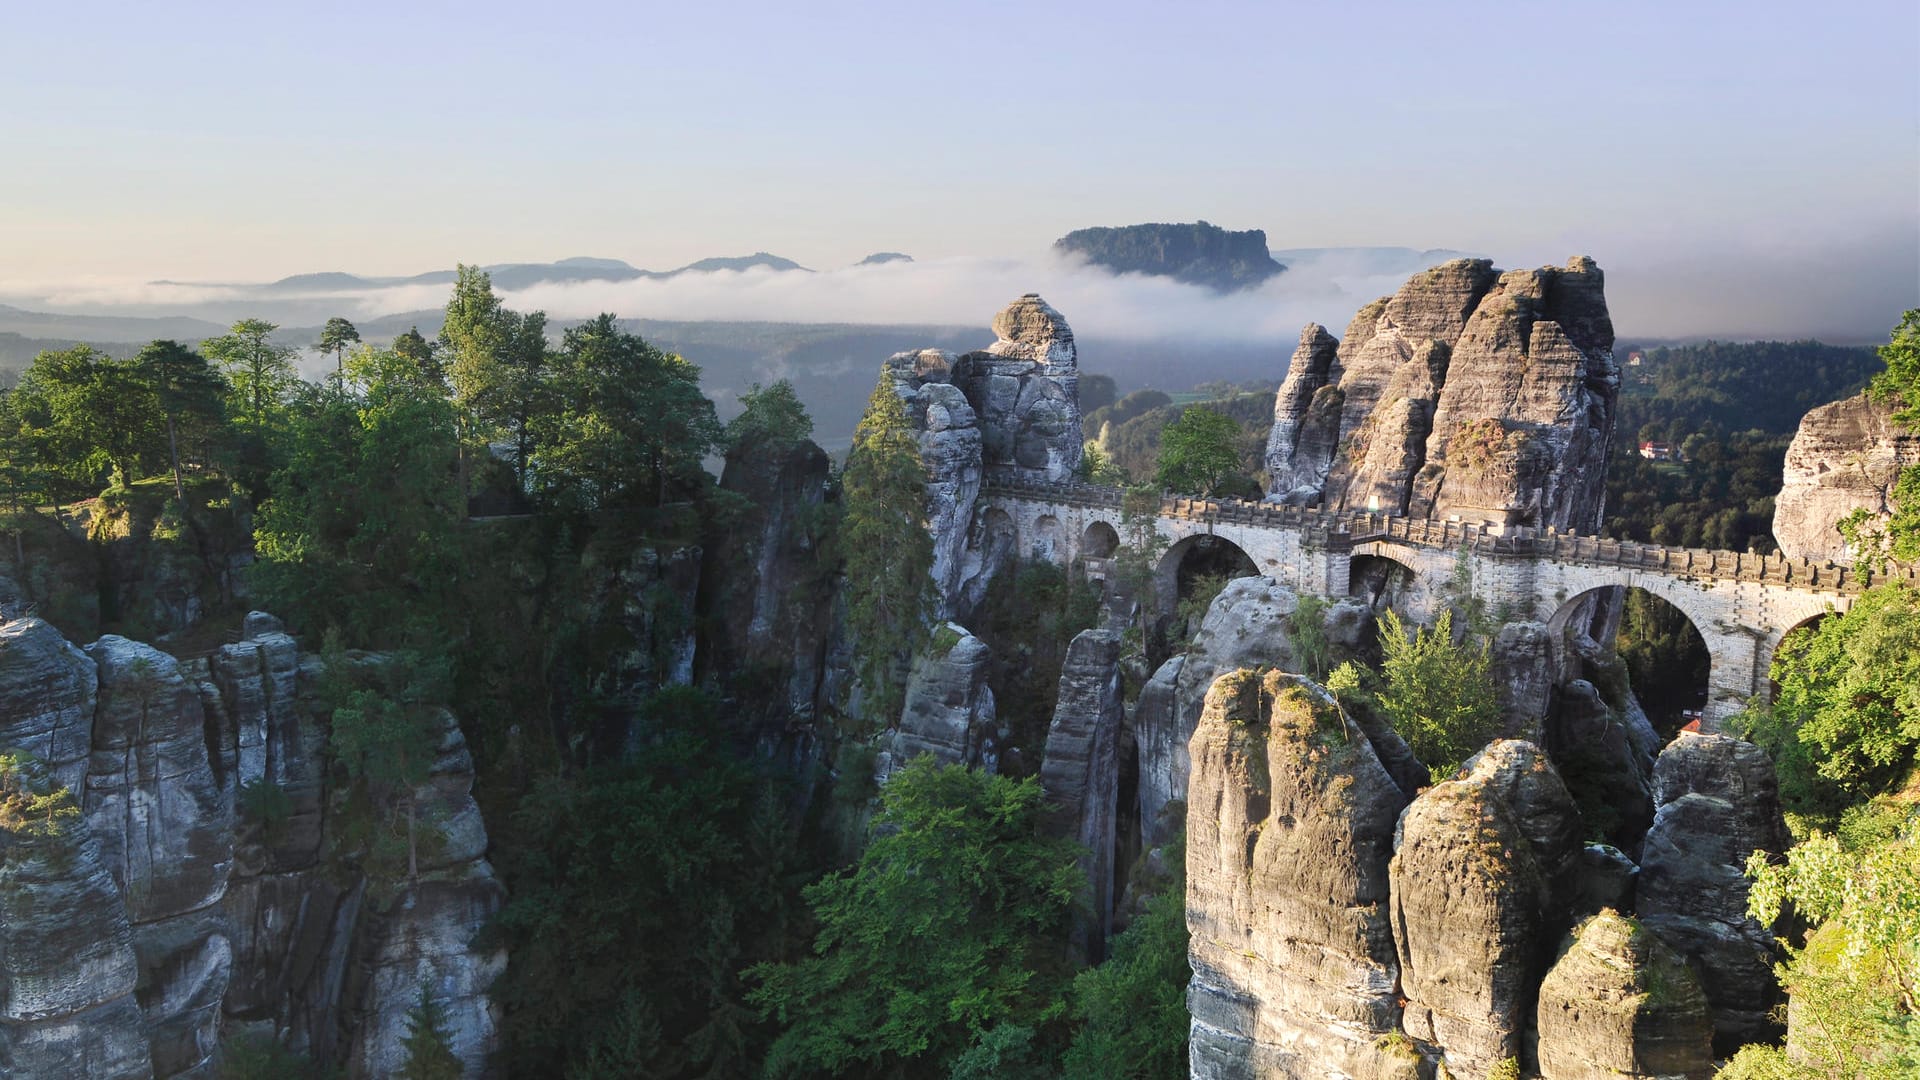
(1048, 539)
(1380, 578)
(1100, 541)
(1664, 647)
(1194, 557)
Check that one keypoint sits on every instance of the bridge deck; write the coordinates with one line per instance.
(1338, 530)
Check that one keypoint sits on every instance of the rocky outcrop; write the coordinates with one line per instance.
(1480, 882)
(1716, 802)
(1845, 457)
(68, 968)
(1081, 772)
(1610, 777)
(1620, 1005)
(1470, 393)
(765, 592)
(164, 820)
(1289, 837)
(204, 880)
(949, 711)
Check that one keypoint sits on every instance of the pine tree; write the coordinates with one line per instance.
(429, 1055)
(889, 553)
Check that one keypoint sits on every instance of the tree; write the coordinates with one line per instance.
(1199, 453)
(387, 725)
(1437, 694)
(1132, 1009)
(499, 360)
(423, 355)
(889, 553)
(770, 417)
(943, 932)
(189, 392)
(1898, 537)
(261, 372)
(430, 1053)
(85, 413)
(335, 337)
(627, 423)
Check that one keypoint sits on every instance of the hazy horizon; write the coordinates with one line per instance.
(1749, 171)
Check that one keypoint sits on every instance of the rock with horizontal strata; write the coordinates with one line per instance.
(1290, 833)
(1845, 457)
(1620, 1005)
(1081, 773)
(47, 692)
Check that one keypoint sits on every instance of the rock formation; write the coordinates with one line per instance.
(1480, 881)
(198, 886)
(1081, 772)
(1289, 836)
(949, 709)
(1470, 393)
(1845, 457)
(1198, 254)
(1716, 802)
(1620, 1005)
(1012, 407)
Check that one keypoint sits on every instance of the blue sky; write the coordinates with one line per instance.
(240, 141)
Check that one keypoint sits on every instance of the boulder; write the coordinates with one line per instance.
(1620, 1005)
(1846, 456)
(949, 711)
(1480, 882)
(1289, 837)
(1716, 802)
(1081, 773)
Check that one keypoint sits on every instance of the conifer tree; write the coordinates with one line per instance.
(889, 553)
(429, 1055)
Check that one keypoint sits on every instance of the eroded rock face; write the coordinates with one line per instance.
(165, 825)
(1469, 392)
(1081, 771)
(1480, 882)
(67, 963)
(1620, 1005)
(1716, 802)
(1845, 457)
(949, 711)
(47, 693)
(1289, 837)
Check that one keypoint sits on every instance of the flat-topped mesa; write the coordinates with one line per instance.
(1469, 394)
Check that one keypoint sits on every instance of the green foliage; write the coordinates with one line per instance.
(1137, 559)
(625, 424)
(1004, 1052)
(947, 928)
(253, 1055)
(190, 394)
(430, 1055)
(1030, 614)
(1199, 453)
(1505, 1069)
(498, 364)
(335, 338)
(1193, 607)
(387, 724)
(265, 805)
(1856, 981)
(1307, 629)
(770, 417)
(638, 891)
(1097, 468)
(360, 535)
(1898, 536)
(82, 414)
(889, 553)
(1132, 1009)
(29, 804)
(1846, 723)
(1131, 432)
(1437, 694)
(261, 372)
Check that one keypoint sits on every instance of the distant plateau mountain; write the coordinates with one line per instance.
(1198, 254)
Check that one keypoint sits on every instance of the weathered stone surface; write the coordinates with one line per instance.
(1604, 878)
(67, 962)
(1081, 772)
(1472, 393)
(1289, 835)
(1620, 1005)
(1523, 674)
(1610, 778)
(1844, 457)
(156, 802)
(1480, 877)
(1248, 625)
(1716, 802)
(47, 692)
(949, 711)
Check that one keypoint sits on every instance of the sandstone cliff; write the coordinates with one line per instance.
(1845, 457)
(204, 882)
(1470, 393)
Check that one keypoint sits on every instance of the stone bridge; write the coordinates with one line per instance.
(1741, 603)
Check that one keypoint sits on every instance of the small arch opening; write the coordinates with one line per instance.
(1046, 542)
(1627, 638)
(1100, 541)
(1380, 581)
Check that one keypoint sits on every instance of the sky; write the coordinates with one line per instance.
(1736, 167)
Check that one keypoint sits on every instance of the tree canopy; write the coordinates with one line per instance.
(1199, 454)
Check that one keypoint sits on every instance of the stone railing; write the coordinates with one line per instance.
(1345, 530)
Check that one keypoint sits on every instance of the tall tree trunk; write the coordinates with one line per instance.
(413, 850)
(173, 451)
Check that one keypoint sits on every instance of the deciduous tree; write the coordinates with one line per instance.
(1199, 453)
(889, 553)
